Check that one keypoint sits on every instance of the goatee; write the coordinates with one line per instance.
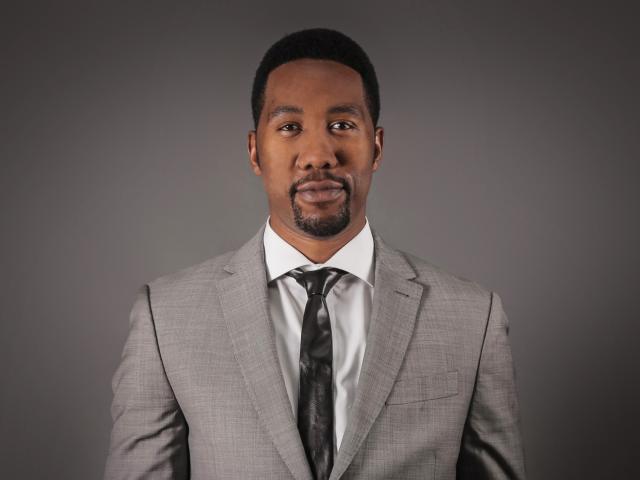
(323, 227)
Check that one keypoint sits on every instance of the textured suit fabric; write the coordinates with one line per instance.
(199, 392)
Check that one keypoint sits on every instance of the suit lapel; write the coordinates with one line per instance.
(243, 296)
(396, 301)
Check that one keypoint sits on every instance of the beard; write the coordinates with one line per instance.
(323, 226)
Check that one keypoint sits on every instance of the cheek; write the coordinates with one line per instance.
(273, 147)
(277, 184)
(362, 182)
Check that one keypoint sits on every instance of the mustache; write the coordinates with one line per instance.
(315, 177)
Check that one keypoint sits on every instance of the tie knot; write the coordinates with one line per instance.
(317, 282)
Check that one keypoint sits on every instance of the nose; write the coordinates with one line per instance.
(316, 151)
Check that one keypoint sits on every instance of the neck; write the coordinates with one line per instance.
(317, 249)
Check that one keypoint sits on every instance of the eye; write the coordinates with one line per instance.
(342, 125)
(290, 127)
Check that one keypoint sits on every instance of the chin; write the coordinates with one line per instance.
(322, 225)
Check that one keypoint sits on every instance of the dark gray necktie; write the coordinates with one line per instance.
(315, 396)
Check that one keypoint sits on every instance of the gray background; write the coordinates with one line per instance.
(511, 158)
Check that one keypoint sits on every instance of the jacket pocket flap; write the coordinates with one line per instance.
(428, 387)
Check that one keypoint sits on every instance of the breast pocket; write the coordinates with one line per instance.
(423, 388)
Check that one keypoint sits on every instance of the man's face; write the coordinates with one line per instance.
(315, 147)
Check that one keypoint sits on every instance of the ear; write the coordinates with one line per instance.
(378, 139)
(252, 147)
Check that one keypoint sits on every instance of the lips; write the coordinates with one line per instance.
(319, 185)
(320, 191)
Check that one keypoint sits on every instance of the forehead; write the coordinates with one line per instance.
(310, 82)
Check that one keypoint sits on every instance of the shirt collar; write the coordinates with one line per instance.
(356, 257)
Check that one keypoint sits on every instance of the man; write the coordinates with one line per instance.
(315, 350)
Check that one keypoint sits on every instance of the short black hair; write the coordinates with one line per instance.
(321, 44)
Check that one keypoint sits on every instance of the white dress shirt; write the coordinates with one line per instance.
(349, 303)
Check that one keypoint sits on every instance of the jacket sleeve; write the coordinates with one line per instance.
(491, 443)
(149, 434)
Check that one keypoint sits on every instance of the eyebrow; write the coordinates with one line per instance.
(282, 109)
(347, 108)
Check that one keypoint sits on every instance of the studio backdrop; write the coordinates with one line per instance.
(510, 158)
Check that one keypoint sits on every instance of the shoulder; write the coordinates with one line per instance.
(190, 281)
(452, 302)
(439, 277)
(448, 289)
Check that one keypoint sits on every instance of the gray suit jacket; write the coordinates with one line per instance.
(199, 392)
